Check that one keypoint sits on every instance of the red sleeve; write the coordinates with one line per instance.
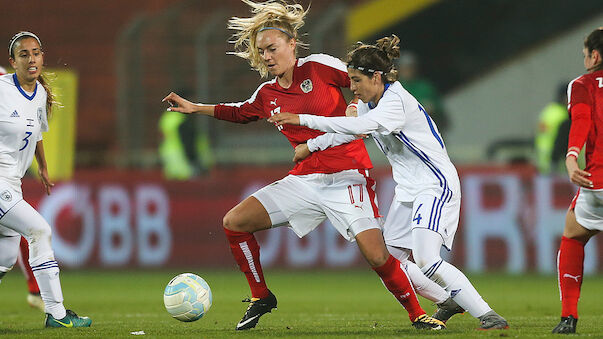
(242, 112)
(580, 113)
(333, 70)
(577, 93)
(581, 123)
(339, 78)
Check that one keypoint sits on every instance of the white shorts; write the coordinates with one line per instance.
(9, 197)
(588, 206)
(346, 198)
(426, 211)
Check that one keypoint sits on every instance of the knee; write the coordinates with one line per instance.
(233, 221)
(377, 258)
(229, 221)
(40, 234)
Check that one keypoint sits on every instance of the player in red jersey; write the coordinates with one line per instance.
(33, 297)
(585, 215)
(332, 184)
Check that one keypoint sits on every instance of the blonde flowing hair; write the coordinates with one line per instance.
(274, 14)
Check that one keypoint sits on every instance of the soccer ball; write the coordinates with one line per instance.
(187, 297)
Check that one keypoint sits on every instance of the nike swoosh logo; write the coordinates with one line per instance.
(70, 324)
(243, 323)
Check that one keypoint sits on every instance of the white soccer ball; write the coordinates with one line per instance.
(187, 297)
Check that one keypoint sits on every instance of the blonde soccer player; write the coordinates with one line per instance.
(424, 214)
(332, 184)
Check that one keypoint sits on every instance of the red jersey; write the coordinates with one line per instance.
(316, 89)
(585, 104)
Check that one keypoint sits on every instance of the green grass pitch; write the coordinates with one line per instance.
(312, 304)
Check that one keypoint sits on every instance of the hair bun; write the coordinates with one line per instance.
(389, 45)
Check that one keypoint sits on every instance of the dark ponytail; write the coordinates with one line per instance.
(50, 99)
(370, 59)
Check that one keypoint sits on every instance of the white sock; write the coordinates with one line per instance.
(423, 285)
(460, 288)
(47, 276)
(426, 251)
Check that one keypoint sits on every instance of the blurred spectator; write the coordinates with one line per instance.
(185, 149)
(552, 134)
(422, 90)
(2, 70)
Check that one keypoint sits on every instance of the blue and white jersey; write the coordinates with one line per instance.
(22, 121)
(407, 136)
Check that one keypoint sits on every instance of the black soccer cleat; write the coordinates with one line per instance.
(425, 322)
(566, 325)
(257, 308)
(446, 310)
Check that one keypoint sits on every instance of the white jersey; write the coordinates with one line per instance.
(408, 137)
(22, 121)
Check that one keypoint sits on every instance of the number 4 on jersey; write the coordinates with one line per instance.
(417, 216)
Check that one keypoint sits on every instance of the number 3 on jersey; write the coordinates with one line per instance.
(26, 139)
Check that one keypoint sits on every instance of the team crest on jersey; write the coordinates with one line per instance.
(306, 86)
(40, 111)
(6, 196)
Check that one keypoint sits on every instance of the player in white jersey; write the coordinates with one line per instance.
(33, 297)
(25, 100)
(424, 214)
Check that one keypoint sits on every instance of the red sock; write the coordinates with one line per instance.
(396, 281)
(570, 267)
(246, 252)
(32, 285)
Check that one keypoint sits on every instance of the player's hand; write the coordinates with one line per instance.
(301, 152)
(576, 175)
(284, 118)
(352, 109)
(179, 104)
(45, 180)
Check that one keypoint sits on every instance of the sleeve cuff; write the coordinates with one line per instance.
(312, 147)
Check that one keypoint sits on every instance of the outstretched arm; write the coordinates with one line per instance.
(342, 125)
(324, 141)
(179, 104)
(321, 143)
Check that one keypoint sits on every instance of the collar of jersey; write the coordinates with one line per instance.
(372, 104)
(28, 97)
